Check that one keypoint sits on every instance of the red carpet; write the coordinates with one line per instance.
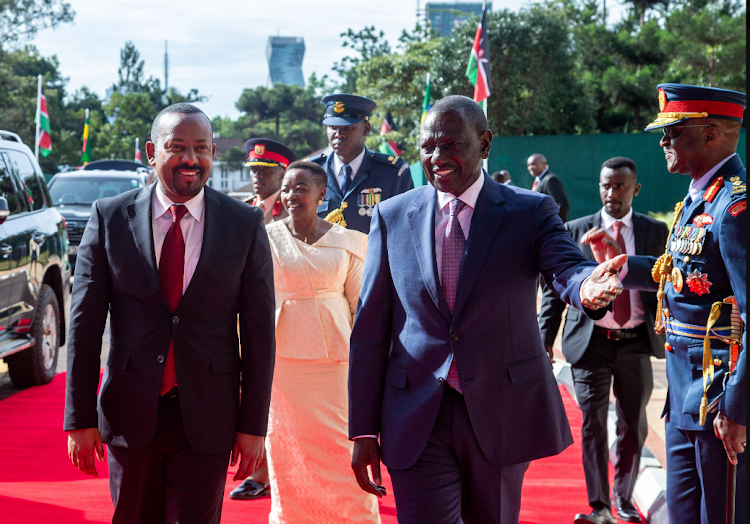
(39, 485)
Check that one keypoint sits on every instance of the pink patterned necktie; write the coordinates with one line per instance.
(453, 251)
(621, 305)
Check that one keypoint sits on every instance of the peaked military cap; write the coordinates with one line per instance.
(681, 102)
(343, 109)
(267, 152)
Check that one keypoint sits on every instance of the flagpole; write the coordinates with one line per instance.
(485, 161)
(38, 116)
(137, 147)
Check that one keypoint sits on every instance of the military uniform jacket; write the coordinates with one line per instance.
(710, 276)
(278, 211)
(379, 177)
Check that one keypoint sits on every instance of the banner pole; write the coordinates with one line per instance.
(485, 161)
(38, 116)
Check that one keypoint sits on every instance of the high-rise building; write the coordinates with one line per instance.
(285, 54)
(445, 16)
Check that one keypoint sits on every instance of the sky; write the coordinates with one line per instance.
(218, 46)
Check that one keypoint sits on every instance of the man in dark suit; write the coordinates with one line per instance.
(617, 346)
(545, 181)
(173, 275)
(357, 177)
(446, 363)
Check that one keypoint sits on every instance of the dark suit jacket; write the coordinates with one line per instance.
(117, 272)
(404, 334)
(550, 185)
(650, 237)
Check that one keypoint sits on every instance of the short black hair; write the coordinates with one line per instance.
(498, 176)
(318, 173)
(618, 162)
(183, 108)
(471, 111)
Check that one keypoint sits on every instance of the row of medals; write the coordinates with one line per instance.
(687, 240)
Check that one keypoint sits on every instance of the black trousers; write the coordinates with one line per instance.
(451, 481)
(625, 366)
(167, 482)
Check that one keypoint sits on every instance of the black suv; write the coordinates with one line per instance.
(34, 268)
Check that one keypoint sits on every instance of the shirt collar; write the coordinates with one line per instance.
(338, 163)
(608, 220)
(696, 186)
(162, 202)
(541, 175)
(468, 197)
(269, 202)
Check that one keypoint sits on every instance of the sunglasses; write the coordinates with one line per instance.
(670, 134)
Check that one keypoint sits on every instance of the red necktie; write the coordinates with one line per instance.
(453, 251)
(621, 307)
(171, 272)
(535, 184)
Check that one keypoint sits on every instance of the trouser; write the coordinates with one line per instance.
(166, 482)
(626, 365)
(452, 480)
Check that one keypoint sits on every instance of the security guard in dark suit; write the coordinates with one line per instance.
(701, 282)
(357, 177)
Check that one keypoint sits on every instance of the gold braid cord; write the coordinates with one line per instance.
(662, 271)
(337, 215)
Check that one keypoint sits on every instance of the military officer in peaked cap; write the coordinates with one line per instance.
(357, 176)
(268, 161)
(701, 292)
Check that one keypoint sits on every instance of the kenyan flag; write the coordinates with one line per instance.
(42, 121)
(86, 150)
(390, 147)
(478, 70)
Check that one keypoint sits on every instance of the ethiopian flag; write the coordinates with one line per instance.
(86, 150)
(478, 70)
(426, 104)
(42, 120)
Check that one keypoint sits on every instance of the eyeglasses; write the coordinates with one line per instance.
(670, 135)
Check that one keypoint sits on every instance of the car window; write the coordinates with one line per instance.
(79, 190)
(27, 175)
(7, 187)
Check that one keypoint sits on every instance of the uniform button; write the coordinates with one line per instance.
(441, 381)
(717, 362)
(175, 320)
(454, 337)
(160, 359)
(668, 346)
(666, 312)
(686, 259)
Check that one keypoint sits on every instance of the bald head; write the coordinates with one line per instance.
(536, 164)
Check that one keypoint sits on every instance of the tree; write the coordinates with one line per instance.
(368, 44)
(24, 18)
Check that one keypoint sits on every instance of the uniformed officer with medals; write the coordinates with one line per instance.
(358, 179)
(700, 282)
(268, 161)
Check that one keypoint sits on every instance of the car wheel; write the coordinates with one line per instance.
(36, 365)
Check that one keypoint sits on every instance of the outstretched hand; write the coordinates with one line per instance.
(603, 285)
(602, 245)
(367, 453)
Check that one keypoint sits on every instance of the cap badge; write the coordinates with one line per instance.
(260, 149)
(662, 100)
(338, 106)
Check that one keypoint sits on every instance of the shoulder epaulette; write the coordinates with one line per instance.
(316, 158)
(737, 186)
(386, 159)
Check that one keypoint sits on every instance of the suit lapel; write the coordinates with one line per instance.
(139, 217)
(484, 226)
(215, 218)
(639, 233)
(362, 174)
(422, 228)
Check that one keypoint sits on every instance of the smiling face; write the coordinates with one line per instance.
(536, 164)
(266, 180)
(300, 193)
(348, 141)
(617, 187)
(451, 152)
(182, 156)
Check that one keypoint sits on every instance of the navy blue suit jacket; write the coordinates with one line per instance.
(404, 335)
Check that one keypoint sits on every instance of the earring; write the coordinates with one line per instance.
(320, 202)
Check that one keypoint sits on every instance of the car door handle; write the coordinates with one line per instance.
(39, 238)
(6, 250)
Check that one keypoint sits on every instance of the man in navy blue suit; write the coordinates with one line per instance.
(446, 365)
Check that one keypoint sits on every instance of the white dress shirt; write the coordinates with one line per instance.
(443, 216)
(338, 167)
(192, 226)
(697, 186)
(637, 315)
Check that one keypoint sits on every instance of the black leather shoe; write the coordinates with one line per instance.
(250, 489)
(597, 516)
(626, 511)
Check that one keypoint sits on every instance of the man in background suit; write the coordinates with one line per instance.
(268, 161)
(545, 181)
(446, 363)
(164, 262)
(617, 346)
